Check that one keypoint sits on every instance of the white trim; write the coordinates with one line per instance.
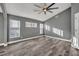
(74, 46)
(5, 44)
(58, 38)
(24, 39)
(1, 44)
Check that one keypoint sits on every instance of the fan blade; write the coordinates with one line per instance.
(36, 10)
(52, 8)
(40, 12)
(50, 11)
(50, 5)
(37, 6)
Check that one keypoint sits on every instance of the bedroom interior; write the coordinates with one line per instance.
(39, 29)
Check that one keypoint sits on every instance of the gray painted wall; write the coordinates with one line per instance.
(26, 32)
(61, 21)
(1, 28)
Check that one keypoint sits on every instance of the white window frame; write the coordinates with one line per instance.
(31, 24)
(13, 26)
(41, 28)
(57, 31)
(47, 27)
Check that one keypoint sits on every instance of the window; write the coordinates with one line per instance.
(47, 27)
(41, 28)
(57, 31)
(30, 24)
(14, 28)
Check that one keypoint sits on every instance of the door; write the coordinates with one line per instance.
(41, 28)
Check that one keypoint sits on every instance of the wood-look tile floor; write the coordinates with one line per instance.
(39, 47)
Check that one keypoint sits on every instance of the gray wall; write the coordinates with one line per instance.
(1, 28)
(26, 32)
(61, 21)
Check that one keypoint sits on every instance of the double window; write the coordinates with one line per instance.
(14, 28)
(30, 24)
(58, 31)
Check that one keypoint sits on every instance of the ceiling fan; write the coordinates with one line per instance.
(45, 8)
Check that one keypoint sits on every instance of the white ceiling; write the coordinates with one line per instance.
(27, 10)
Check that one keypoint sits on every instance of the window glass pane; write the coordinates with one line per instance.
(14, 33)
(14, 24)
(35, 25)
(46, 27)
(41, 25)
(28, 24)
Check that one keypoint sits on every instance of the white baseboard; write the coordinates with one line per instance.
(74, 47)
(3, 44)
(24, 39)
(58, 38)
